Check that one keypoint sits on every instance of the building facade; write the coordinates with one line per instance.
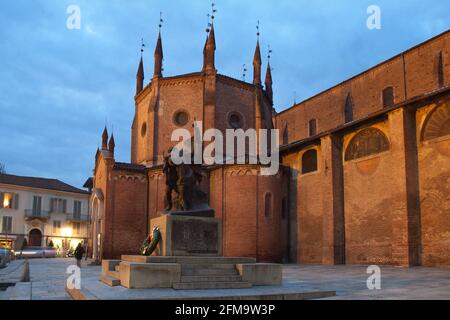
(42, 211)
(365, 165)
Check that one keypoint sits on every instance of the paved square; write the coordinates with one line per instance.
(48, 277)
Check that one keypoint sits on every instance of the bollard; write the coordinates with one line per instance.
(25, 276)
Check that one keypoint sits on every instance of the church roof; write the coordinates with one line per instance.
(39, 183)
(129, 166)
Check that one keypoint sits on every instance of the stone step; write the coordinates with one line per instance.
(208, 272)
(110, 281)
(211, 285)
(188, 260)
(113, 274)
(185, 279)
(212, 266)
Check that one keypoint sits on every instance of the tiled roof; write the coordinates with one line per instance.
(39, 183)
(129, 166)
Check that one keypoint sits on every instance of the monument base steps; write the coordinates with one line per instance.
(110, 281)
(192, 272)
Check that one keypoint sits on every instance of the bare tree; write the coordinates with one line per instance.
(2, 168)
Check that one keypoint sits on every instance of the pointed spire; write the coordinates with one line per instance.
(140, 77)
(209, 51)
(105, 139)
(112, 144)
(205, 53)
(211, 39)
(268, 82)
(159, 56)
(257, 65)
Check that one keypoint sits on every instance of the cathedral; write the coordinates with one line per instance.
(364, 175)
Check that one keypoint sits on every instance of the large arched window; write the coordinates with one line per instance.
(367, 142)
(309, 161)
(438, 123)
(268, 205)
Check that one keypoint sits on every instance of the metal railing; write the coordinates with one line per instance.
(30, 213)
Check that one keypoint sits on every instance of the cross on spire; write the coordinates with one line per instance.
(142, 46)
(211, 16)
(269, 53)
(244, 71)
(161, 21)
(257, 31)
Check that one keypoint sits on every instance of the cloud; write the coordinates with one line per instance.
(59, 87)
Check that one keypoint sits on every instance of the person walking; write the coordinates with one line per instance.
(79, 252)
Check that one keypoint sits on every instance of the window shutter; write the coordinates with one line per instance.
(16, 201)
(2, 196)
(64, 206)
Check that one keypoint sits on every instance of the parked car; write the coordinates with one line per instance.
(5, 257)
(30, 253)
(50, 252)
(36, 252)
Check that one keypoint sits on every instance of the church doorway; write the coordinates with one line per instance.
(35, 238)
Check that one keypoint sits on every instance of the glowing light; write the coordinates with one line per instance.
(67, 232)
(6, 200)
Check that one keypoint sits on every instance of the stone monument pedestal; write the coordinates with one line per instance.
(189, 256)
(188, 235)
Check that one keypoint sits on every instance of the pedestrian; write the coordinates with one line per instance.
(86, 250)
(79, 252)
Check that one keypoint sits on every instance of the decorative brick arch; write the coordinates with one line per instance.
(310, 161)
(365, 143)
(437, 123)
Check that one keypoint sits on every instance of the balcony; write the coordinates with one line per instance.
(34, 214)
(77, 217)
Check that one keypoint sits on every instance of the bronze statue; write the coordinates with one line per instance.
(170, 172)
(184, 180)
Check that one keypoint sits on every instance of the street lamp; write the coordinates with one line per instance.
(66, 233)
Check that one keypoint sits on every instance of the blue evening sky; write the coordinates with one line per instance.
(58, 86)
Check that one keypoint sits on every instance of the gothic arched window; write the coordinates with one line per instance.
(268, 205)
(285, 134)
(438, 123)
(309, 161)
(388, 97)
(348, 109)
(440, 73)
(367, 142)
(312, 127)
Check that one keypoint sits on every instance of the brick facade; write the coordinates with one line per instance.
(378, 193)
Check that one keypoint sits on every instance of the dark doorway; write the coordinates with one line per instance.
(35, 238)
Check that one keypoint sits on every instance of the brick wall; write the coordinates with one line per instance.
(434, 168)
(418, 66)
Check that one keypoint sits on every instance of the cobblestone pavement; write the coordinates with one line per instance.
(48, 277)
